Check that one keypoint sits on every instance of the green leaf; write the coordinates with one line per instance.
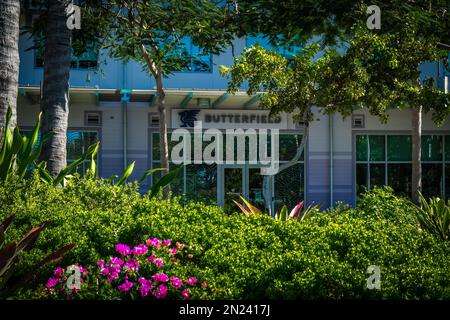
(126, 174)
(164, 181)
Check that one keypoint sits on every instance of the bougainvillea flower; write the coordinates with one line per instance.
(116, 261)
(52, 281)
(159, 263)
(132, 265)
(192, 281)
(173, 251)
(186, 294)
(101, 264)
(151, 258)
(58, 272)
(161, 293)
(160, 277)
(83, 270)
(176, 282)
(126, 286)
(140, 250)
(123, 249)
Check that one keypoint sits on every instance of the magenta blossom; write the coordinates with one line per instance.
(132, 265)
(126, 286)
(162, 292)
(101, 264)
(83, 270)
(192, 281)
(173, 251)
(151, 258)
(159, 263)
(160, 277)
(186, 294)
(58, 272)
(176, 282)
(166, 243)
(123, 249)
(51, 282)
(116, 261)
(140, 250)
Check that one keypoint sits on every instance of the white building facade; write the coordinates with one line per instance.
(113, 102)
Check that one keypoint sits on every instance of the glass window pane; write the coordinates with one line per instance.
(377, 174)
(376, 148)
(361, 147)
(447, 148)
(399, 148)
(288, 146)
(289, 187)
(431, 148)
(447, 181)
(201, 182)
(432, 180)
(361, 178)
(399, 178)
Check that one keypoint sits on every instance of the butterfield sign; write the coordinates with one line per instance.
(185, 118)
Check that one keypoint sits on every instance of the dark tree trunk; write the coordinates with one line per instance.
(9, 58)
(416, 181)
(55, 92)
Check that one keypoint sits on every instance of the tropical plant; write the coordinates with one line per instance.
(434, 217)
(9, 256)
(296, 213)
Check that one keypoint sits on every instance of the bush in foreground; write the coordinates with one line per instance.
(239, 257)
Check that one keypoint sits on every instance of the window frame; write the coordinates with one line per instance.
(445, 134)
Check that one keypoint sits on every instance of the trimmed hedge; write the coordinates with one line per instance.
(257, 257)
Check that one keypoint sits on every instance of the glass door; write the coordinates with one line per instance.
(256, 188)
(233, 187)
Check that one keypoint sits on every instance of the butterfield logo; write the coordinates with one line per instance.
(188, 117)
(73, 14)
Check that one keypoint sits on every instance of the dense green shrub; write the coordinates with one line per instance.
(381, 202)
(242, 257)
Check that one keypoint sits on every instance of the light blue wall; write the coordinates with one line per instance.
(110, 73)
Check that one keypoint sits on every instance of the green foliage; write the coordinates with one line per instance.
(434, 217)
(240, 257)
(382, 203)
(9, 256)
(153, 32)
(289, 85)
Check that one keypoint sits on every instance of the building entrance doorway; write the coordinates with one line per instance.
(236, 180)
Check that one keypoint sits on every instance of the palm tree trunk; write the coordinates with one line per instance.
(163, 141)
(55, 92)
(9, 58)
(416, 121)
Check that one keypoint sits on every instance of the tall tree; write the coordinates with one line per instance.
(9, 58)
(426, 23)
(55, 88)
(155, 34)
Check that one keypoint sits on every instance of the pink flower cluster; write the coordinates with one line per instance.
(143, 269)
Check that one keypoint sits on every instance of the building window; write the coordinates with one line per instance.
(87, 60)
(199, 181)
(77, 143)
(197, 59)
(386, 159)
